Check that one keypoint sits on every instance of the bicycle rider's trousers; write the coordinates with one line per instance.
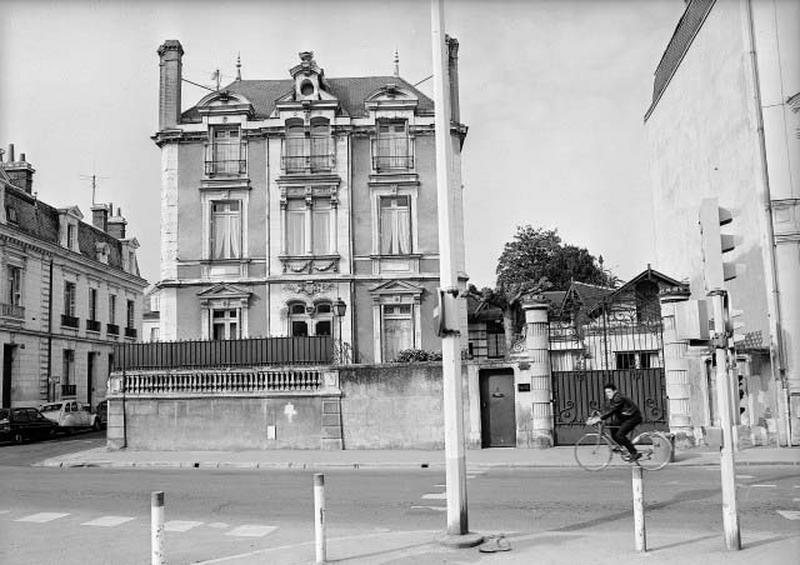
(620, 434)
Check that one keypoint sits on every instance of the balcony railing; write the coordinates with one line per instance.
(112, 329)
(307, 163)
(130, 332)
(12, 311)
(230, 167)
(92, 325)
(295, 379)
(70, 321)
(68, 390)
(226, 158)
(392, 162)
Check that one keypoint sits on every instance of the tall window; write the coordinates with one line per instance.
(70, 236)
(93, 304)
(225, 324)
(69, 299)
(130, 314)
(112, 308)
(14, 296)
(392, 149)
(398, 330)
(68, 367)
(395, 225)
(227, 155)
(294, 150)
(226, 229)
(308, 229)
(321, 149)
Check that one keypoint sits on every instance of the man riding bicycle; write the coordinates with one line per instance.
(623, 416)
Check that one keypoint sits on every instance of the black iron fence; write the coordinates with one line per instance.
(313, 350)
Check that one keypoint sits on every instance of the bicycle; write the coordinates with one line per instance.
(594, 450)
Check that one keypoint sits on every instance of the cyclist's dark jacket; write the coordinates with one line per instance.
(620, 408)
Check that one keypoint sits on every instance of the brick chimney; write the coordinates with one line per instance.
(20, 172)
(100, 213)
(116, 225)
(452, 68)
(169, 84)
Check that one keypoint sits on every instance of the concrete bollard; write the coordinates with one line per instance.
(157, 528)
(640, 532)
(319, 517)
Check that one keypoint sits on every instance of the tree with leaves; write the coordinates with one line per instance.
(535, 260)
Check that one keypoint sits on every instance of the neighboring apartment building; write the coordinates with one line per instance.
(284, 198)
(150, 315)
(69, 292)
(724, 123)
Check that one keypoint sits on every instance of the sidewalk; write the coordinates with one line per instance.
(542, 548)
(477, 459)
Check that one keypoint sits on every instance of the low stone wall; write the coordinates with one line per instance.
(395, 406)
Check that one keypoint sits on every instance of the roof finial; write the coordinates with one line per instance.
(239, 66)
(396, 63)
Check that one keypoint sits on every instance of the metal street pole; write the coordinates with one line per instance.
(730, 516)
(455, 470)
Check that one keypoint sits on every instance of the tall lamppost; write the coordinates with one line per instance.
(339, 309)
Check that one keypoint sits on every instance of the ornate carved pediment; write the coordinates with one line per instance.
(224, 295)
(392, 96)
(225, 102)
(310, 288)
(397, 291)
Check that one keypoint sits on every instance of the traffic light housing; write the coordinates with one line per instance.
(716, 245)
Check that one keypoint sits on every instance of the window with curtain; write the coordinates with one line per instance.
(395, 225)
(130, 314)
(296, 227)
(226, 229)
(14, 285)
(69, 298)
(321, 227)
(227, 154)
(294, 149)
(393, 146)
(398, 330)
(321, 158)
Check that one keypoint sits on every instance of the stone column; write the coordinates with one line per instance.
(676, 367)
(537, 343)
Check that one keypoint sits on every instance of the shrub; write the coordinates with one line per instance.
(417, 356)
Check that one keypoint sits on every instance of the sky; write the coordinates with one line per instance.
(553, 92)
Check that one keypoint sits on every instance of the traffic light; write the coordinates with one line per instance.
(742, 392)
(715, 244)
(736, 326)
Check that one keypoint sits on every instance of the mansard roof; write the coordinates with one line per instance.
(41, 221)
(351, 92)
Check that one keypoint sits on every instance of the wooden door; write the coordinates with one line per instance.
(498, 418)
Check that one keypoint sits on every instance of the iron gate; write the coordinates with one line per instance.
(616, 344)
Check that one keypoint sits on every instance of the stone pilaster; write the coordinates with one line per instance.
(537, 343)
(676, 367)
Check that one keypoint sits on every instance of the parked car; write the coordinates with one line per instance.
(19, 424)
(102, 412)
(70, 415)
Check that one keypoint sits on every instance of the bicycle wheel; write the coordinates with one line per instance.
(593, 452)
(656, 450)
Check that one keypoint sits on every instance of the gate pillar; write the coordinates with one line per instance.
(537, 344)
(676, 368)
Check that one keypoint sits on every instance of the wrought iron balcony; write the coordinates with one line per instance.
(68, 390)
(229, 167)
(70, 321)
(313, 163)
(12, 311)
(92, 325)
(130, 332)
(112, 329)
(383, 163)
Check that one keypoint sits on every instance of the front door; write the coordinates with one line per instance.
(8, 365)
(498, 420)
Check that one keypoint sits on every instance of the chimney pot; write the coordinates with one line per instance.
(170, 55)
(22, 157)
(11, 152)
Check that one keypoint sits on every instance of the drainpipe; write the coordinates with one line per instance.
(777, 353)
(351, 250)
(50, 331)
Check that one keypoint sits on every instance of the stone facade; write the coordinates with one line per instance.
(282, 197)
(58, 273)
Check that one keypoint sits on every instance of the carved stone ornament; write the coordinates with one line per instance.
(310, 288)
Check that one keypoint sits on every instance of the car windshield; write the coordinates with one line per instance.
(4, 414)
(51, 407)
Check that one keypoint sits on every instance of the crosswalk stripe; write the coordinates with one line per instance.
(435, 508)
(218, 525)
(180, 525)
(790, 514)
(42, 517)
(764, 486)
(745, 477)
(435, 496)
(251, 531)
(108, 521)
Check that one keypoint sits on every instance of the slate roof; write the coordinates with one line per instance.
(40, 220)
(351, 93)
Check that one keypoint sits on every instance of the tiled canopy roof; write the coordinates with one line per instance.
(351, 93)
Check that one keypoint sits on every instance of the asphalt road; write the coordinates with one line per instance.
(101, 516)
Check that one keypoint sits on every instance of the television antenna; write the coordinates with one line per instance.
(94, 178)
